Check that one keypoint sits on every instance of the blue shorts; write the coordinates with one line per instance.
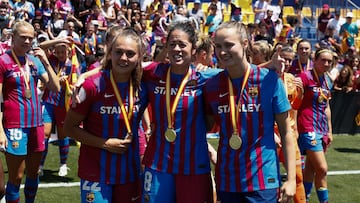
(310, 141)
(269, 195)
(161, 187)
(106, 193)
(48, 112)
(24, 140)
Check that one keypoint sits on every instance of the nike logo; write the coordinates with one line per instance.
(223, 95)
(162, 82)
(133, 199)
(108, 95)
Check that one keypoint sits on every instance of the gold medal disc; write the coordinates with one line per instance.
(320, 99)
(28, 93)
(235, 141)
(170, 135)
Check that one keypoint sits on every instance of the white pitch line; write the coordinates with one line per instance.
(77, 184)
(343, 172)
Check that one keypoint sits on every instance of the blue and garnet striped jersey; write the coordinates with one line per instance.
(311, 114)
(254, 166)
(188, 154)
(19, 111)
(105, 119)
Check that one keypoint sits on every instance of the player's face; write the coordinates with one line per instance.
(124, 55)
(61, 53)
(228, 48)
(288, 57)
(22, 40)
(180, 50)
(258, 57)
(304, 49)
(324, 62)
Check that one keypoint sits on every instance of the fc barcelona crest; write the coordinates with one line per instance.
(253, 91)
(15, 145)
(90, 197)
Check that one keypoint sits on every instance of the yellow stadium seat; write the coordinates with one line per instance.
(190, 5)
(227, 17)
(306, 11)
(204, 7)
(288, 11)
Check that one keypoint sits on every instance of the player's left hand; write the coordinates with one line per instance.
(287, 192)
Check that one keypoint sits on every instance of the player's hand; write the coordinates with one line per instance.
(287, 192)
(3, 141)
(75, 97)
(118, 146)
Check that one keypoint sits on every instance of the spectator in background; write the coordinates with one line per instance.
(197, 13)
(220, 7)
(108, 12)
(97, 15)
(55, 25)
(344, 81)
(263, 33)
(329, 40)
(349, 32)
(323, 20)
(336, 22)
(235, 12)
(260, 8)
(269, 23)
(24, 10)
(4, 17)
(213, 20)
(70, 31)
(299, 4)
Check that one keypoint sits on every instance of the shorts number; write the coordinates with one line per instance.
(90, 186)
(15, 134)
(147, 181)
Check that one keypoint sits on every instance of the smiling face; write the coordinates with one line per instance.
(323, 61)
(229, 48)
(124, 56)
(180, 49)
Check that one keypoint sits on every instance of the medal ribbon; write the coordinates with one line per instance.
(127, 116)
(170, 114)
(233, 108)
(301, 67)
(25, 73)
(318, 81)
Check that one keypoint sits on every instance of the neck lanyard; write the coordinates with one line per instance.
(170, 133)
(301, 66)
(25, 72)
(322, 96)
(126, 115)
(235, 139)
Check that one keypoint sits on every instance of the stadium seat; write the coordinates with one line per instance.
(227, 16)
(306, 12)
(288, 11)
(190, 5)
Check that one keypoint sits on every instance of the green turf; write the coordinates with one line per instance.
(344, 154)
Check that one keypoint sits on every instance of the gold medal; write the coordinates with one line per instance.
(235, 141)
(28, 93)
(320, 99)
(170, 135)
